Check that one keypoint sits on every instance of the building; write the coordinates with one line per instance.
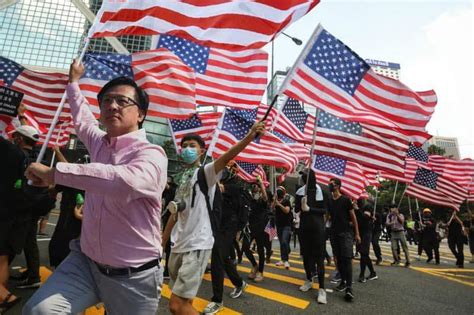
(46, 35)
(385, 68)
(449, 144)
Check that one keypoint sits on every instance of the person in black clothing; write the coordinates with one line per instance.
(311, 203)
(429, 236)
(344, 230)
(168, 196)
(456, 239)
(232, 189)
(469, 227)
(257, 221)
(284, 221)
(365, 221)
(376, 232)
(11, 168)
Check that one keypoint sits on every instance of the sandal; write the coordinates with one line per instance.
(5, 305)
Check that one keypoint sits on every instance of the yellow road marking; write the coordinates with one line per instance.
(446, 269)
(282, 278)
(268, 294)
(198, 303)
(388, 251)
(440, 275)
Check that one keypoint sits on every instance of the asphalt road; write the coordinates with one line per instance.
(421, 289)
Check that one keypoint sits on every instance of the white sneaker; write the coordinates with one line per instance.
(322, 298)
(213, 308)
(308, 285)
(287, 265)
(418, 257)
(279, 263)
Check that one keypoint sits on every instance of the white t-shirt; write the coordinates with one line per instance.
(193, 229)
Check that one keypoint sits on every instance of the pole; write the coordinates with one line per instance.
(418, 210)
(58, 111)
(375, 202)
(311, 153)
(57, 141)
(401, 198)
(409, 207)
(395, 192)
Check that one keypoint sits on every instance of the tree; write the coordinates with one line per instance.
(434, 149)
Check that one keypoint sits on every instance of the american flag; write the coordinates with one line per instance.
(202, 124)
(376, 147)
(411, 165)
(435, 188)
(42, 95)
(267, 149)
(459, 171)
(372, 176)
(417, 153)
(169, 83)
(270, 230)
(351, 174)
(295, 122)
(330, 76)
(5, 121)
(470, 189)
(222, 24)
(223, 77)
(301, 151)
(249, 172)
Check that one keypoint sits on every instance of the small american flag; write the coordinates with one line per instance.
(202, 124)
(351, 174)
(295, 122)
(270, 230)
(249, 172)
(267, 149)
(42, 95)
(434, 188)
(223, 24)
(459, 171)
(167, 80)
(228, 78)
(330, 76)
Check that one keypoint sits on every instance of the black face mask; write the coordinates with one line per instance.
(331, 187)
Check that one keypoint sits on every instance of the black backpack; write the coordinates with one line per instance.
(215, 211)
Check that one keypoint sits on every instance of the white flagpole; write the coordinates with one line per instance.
(58, 111)
(311, 153)
(395, 191)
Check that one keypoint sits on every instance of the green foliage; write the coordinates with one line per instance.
(434, 149)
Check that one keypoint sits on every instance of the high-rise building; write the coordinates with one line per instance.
(385, 68)
(45, 35)
(449, 144)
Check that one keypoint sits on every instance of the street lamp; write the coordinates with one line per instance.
(295, 40)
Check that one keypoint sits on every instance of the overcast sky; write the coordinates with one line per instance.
(432, 40)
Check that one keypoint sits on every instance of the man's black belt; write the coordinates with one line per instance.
(110, 271)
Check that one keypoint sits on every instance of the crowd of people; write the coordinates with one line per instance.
(121, 214)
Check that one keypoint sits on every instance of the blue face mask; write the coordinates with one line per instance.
(189, 155)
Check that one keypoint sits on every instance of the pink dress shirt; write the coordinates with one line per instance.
(123, 184)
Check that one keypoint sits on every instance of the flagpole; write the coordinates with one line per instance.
(311, 153)
(395, 192)
(409, 207)
(401, 198)
(375, 202)
(57, 141)
(58, 111)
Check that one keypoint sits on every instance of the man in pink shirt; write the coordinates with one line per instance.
(117, 260)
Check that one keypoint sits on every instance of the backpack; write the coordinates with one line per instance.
(214, 210)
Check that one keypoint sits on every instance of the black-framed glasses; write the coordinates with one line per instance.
(121, 100)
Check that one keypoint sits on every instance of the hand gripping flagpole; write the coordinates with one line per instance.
(58, 112)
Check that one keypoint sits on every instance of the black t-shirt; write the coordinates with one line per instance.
(378, 223)
(11, 169)
(258, 212)
(455, 229)
(283, 219)
(339, 210)
(364, 222)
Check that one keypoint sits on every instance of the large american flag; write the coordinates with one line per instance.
(223, 77)
(411, 165)
(42, 95)
(459, 171)
(294, 121)
(301, 151)
(432, 187)
(329, 75)
(169, 83)
(470, 189)
(351, 174)
(222, 24)
(249, 172)
(202, 124)
(267, 149)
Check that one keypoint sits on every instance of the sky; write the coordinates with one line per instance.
(432, 41)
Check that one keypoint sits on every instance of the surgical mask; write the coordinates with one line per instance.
(189, 155)
(331, 187)
(256, 196)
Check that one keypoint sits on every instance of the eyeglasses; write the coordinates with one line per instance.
(121, 100)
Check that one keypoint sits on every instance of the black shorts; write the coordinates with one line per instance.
(342, 244)
(12, 236)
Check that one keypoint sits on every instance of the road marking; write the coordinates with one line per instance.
(268, 294)
(198, 303)
(282, 278)
(443, 275)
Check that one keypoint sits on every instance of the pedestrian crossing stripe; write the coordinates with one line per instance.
(268, 294)
(446, 256)
(443, 275)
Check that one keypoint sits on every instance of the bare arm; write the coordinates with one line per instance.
(355, 225)
(263, 190)
(59, 155)
(169, 227)
(221, 162)
(285, 209)
(78, 212)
